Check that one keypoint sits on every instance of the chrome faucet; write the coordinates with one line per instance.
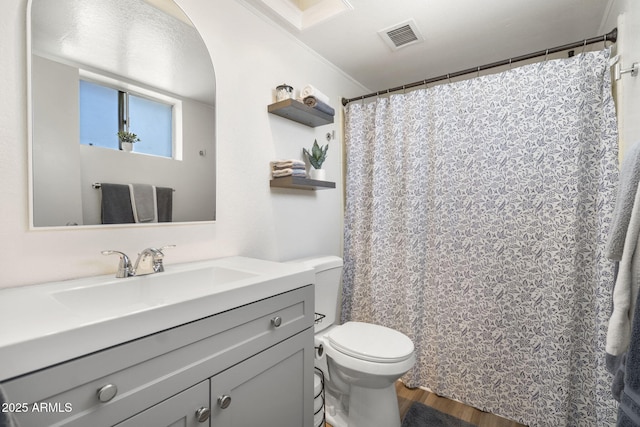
(124, 267)
(149, 261)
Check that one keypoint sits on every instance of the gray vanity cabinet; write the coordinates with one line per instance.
(260, 354)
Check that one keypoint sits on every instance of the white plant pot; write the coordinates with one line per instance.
(318, 174)
(127, 146)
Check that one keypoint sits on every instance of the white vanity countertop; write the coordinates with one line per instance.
(55, 322)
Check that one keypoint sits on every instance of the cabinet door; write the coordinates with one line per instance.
(272, 388)
(187, 409)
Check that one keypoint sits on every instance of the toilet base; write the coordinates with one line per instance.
(368, 407)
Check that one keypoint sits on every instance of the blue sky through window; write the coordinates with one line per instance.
(149, 119)
(98, 115)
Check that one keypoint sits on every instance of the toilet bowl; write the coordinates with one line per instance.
(369, 355)
(360, 361)
(364, 361)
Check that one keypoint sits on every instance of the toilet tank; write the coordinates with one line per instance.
(328, 289)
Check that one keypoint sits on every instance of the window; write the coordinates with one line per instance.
(107, 109)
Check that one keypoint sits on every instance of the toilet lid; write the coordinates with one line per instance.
(370, 342)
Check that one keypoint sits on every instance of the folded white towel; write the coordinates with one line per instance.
(279, 173)
(309, 90)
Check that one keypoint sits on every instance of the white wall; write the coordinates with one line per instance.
(56, 159)
(252, 220)
(625, 14)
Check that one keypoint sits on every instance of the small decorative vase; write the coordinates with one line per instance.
(318, 174)
(127, 146)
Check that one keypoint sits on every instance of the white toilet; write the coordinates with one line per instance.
(360, 361)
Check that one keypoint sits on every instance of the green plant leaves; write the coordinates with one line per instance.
(318, 154)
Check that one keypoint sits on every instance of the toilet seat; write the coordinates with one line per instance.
(372, 343)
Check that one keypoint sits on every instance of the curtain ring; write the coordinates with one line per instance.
(510, 59)
(584, 45)
(449, 77)
(478, 71)
(546, 54)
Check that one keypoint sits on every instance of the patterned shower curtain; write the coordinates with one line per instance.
(476, 219)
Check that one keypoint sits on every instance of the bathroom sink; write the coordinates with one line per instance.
(58, 321)
(133, 294)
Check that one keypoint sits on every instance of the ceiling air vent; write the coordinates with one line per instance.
(401, 35)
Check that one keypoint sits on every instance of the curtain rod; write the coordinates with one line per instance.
(612, 37)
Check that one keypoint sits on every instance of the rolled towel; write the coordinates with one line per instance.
(314, 102)
(309, 90)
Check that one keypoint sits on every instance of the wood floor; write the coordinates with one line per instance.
(407, 396)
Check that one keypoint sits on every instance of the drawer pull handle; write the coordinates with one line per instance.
(202, 414)
(224, 401)
(276, 321)
(107, 392)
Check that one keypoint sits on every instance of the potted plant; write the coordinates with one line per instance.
(316, 157)
(127, 139)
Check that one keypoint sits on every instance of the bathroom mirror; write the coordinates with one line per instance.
(135, 51)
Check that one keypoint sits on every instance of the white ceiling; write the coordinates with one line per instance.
(458, 34)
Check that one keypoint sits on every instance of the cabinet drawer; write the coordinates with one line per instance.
(154, 368)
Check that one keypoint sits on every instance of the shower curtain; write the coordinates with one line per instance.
(476, 216)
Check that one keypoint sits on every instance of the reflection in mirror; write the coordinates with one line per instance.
(99, 68)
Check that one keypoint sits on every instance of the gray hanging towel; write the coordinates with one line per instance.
(116, 204)
(143, 202)
(164, 197)
(629, 409)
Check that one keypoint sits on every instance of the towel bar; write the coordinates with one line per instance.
(98, 185)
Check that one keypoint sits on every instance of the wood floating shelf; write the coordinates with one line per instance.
(299, 112)
(300, 183)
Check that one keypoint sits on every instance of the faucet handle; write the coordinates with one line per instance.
(159, 266)
(124, 267)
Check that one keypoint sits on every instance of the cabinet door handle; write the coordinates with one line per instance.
(107, 392)
(202, 414)
(224, 401)
(276, 321)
